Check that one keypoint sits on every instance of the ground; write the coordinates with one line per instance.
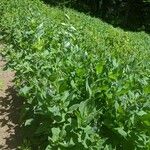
(9, 110)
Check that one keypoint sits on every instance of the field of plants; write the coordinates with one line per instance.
(86, 85)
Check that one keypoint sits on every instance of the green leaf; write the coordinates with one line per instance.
(24, 91)
(147, 89)
(74, 107)
(55, 134)
(67, 16)
(28, 122)
(116, 105)
(88, 88)
(121, 132)
(112, 75)
(141, 113)
(99, 68)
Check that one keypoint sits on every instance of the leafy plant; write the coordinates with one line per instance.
(86, 84)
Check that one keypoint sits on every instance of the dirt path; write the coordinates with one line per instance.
(9, 110)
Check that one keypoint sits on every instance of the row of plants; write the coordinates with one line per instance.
(85, 84)
(129, 14)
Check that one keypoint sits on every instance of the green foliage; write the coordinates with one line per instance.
(129, 14)
(86, 84)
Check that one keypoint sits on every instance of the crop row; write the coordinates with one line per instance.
(85, 83)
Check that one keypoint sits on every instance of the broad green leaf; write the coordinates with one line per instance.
(55, 134)
(99, 68)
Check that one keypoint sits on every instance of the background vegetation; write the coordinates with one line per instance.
(85, 83)
(129, 14)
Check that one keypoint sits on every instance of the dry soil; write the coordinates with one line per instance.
(10, 136)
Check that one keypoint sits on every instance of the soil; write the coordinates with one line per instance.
(10, 103)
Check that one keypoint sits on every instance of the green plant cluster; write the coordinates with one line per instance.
(128, 14)
(86, 84)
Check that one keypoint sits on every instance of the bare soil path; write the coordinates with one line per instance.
(9, 110)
